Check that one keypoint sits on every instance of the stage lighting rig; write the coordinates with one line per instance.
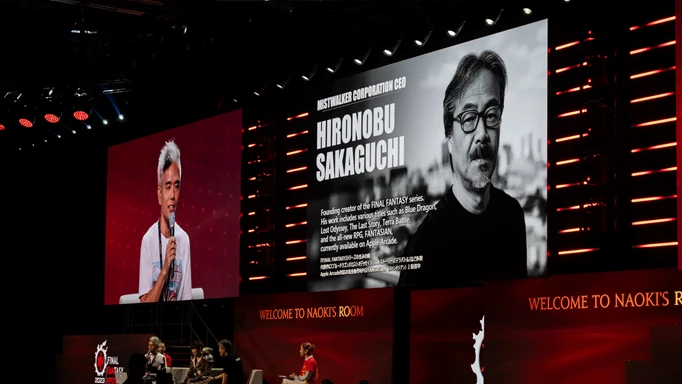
(390, 51)
(493, 19)
(455, 32)
(283, 84)
(23, 111)
(361, 59)
(309, 75)
(51, 107)
(261, 91)
(335, 67)
(82, 105)
(421, 40)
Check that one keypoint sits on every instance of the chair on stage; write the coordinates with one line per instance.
(134, 298)
(256, 377)
(121, 377)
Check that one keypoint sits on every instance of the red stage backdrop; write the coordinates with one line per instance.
(442, 328)
(208, 207)
(352, 332)
(607, 328)
(96, 359)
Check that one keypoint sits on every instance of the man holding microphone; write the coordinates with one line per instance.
(165, 265)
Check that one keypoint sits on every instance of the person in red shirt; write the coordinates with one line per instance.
(309, 372)
(162, 350)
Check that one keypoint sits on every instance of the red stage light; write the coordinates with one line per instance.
(2, 127)
(26, 123)
(640, 50)
(81, 115)
(564, 46)
(51, 118)
(295, 258)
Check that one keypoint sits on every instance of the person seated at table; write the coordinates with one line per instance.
(162, 350)
(197, 347)
(204, 367)
(309, 372)
(233, 369)
(156, 362)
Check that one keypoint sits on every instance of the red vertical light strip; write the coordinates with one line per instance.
(678, 101)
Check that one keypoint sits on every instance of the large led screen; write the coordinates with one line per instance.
(191, 174)
(352, 334)
(99, 359)
(433, 171)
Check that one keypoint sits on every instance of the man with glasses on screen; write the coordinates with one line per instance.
(165, 265)
(477, 232)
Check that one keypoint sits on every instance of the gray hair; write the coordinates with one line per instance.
(155, 340)
(170, 153)
(227, 345)
(470, 66)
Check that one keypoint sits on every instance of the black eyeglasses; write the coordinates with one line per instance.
(468, 120)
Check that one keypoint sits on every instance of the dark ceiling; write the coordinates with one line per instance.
(172, 52)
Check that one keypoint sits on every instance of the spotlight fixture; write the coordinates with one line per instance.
(27, 122)
(420, 42)
(22, 111)
(27, 115)
(309, 75)
(336, 66)
(457, 31)
(527, 11)
(493, 21)
(105, 121)
(82, 107)
(390, 51)
(51, 105)
(261, 92)
(283, 84)
(362, 58)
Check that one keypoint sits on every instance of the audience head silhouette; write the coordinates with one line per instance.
(137, 366)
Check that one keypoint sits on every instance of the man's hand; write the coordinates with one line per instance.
(170, 254)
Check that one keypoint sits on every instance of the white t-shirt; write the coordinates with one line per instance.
(151, 262)
(157, 361)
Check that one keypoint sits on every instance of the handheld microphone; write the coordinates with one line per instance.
(172, 233)
(172, 224)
